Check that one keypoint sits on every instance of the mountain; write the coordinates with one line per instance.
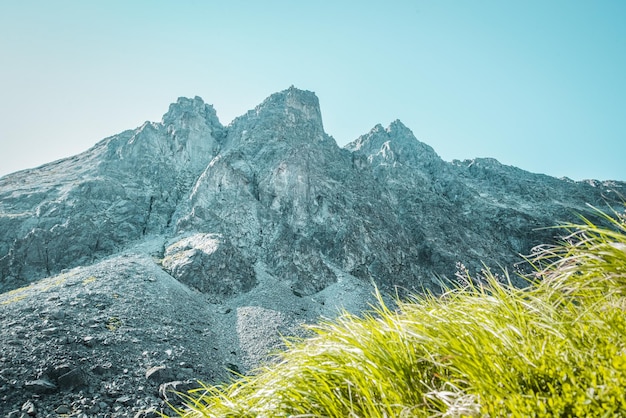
(189, 246)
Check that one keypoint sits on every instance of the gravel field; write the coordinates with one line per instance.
(112, 339)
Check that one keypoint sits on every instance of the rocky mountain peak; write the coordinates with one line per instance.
(285, 119)
(395, 144)
(292, 106)
(399, 129)
(187, 138)
(293, 101)
(186, 109)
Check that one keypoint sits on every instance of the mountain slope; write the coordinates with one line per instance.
(279, 190)
(257, 227)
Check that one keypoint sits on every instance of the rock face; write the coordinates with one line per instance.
(209, 264)
(74, 211)
(255, 227)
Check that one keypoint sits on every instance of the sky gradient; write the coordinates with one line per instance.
(536, 84)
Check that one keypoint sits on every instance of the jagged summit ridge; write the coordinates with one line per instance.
(293, 102)
(289, 118)
(270, 182)
(185, 107)
(395, 144)
(190, 114)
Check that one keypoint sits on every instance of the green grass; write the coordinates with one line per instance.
(555, 348)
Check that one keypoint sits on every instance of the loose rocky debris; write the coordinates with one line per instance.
(118, 338)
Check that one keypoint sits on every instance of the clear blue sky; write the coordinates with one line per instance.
(536, 84)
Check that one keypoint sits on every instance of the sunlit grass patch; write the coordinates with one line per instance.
(556, 348)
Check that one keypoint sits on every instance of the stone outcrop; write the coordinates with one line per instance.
(209, 263)
(74, 211)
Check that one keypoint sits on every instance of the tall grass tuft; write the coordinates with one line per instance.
(556, 348)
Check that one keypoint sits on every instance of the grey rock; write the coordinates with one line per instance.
(40, 386)
(73, 378)
(88, 340)
(63, 409)
(57, 314)
(124, 400)
(159, 374)
(100, 369)
(60, 369)
(170, 391)
(148, 413)
(50, 331)
(209, 263)
(29, 408)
